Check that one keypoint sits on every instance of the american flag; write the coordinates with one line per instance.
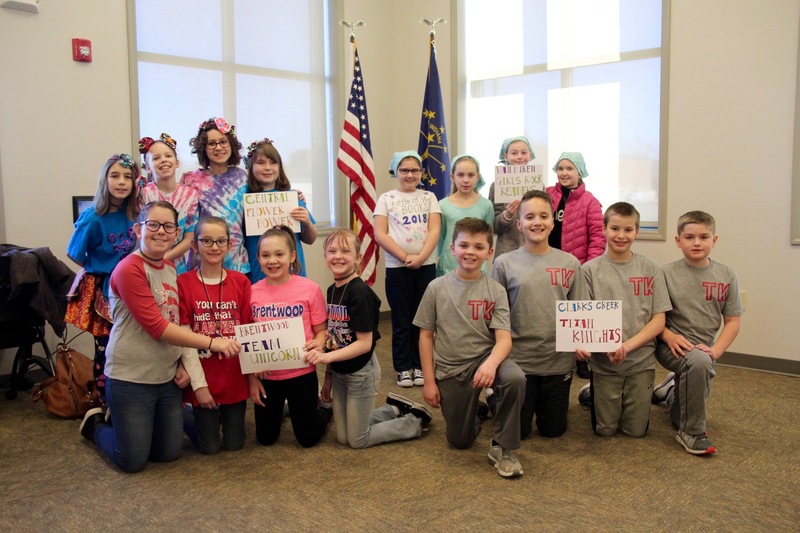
(355, 161)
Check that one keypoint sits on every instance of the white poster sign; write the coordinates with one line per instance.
(273, 345)
(591, 325)
(265, 210)
(512, 181)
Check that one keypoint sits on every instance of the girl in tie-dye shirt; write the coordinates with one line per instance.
(161, 162)
(221, 185)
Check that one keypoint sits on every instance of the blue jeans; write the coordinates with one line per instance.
(147, 424)
(205, 424)
(357, 424)
(404, 290)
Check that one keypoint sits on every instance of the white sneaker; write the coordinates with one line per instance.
(661, 391)
(419, 380)
(505, 461)
(405, 379)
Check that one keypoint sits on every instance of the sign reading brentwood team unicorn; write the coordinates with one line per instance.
(265, 210)
(273, 345)
(591, 325)
(512, 181)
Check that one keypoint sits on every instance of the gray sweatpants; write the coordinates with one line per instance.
(459, 404)
(622, 403)
(694, 373)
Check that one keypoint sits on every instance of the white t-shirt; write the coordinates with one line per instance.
(408, 214)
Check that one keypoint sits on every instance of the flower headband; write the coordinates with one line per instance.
(146, 142)
(251, 150)
(220, 124)
(123, 159)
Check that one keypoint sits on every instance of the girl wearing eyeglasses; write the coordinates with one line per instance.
(144, 352)
(103, 237)
(213, 300)
(407, 225)
(221, 185)
(161, 161)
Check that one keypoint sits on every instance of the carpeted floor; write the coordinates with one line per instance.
(53, 480)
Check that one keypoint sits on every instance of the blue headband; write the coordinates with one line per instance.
(398, 157)
(480, 183)
(576, 158)
(510, 140)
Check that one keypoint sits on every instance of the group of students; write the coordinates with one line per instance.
(163, 313)
(467, 331)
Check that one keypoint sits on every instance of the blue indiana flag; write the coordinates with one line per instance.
(433, 136)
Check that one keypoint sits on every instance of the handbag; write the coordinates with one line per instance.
(71, 392)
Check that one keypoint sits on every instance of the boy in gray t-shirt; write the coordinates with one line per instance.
(622, 381)
(464, 343)
(705, 295)
(536, 276)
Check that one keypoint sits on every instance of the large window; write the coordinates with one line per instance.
(573, 75)
(264, 65)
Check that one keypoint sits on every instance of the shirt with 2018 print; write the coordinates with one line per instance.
(408, 215)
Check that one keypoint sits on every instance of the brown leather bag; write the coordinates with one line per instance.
(71, 392)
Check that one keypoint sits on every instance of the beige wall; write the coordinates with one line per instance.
(732, 88)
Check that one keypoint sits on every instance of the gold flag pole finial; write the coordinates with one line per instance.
(432, 23)
(352, 25)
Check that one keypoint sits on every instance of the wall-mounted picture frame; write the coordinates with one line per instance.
(79, 205)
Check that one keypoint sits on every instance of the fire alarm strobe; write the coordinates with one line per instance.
(82, 50)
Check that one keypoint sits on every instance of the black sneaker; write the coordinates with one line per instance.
(407, 405)
(92, 419)
(328, 412)
(585, 397)
(483, 411)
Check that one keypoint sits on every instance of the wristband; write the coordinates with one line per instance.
(506, 218)
(210, 340)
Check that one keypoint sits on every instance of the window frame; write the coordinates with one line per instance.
(460, 89)
(337, 203)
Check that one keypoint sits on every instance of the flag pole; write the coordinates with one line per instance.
(433, 146)
(352, 25)
(355, 161)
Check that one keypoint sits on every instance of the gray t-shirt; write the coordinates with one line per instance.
(639, 284)
(463, 314)
(144, 300)
(701, 297)
(534, 284)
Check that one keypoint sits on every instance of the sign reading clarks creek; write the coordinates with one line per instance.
(591, 325)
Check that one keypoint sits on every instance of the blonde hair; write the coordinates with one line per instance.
(343, 235)
(455, 165)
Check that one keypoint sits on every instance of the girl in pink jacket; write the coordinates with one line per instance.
(577, 213)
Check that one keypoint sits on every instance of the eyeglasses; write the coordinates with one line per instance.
(222, 143)
(208, 243)
(169, 227)
(407, 171)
